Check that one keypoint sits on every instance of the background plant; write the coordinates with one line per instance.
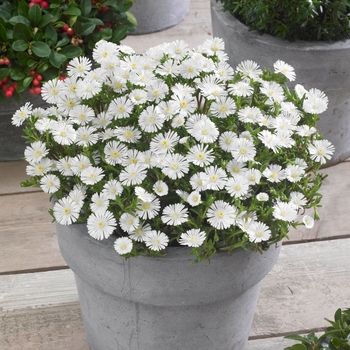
(311, 20)
(336, 337)
(38, 38)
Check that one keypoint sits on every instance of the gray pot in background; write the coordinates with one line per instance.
(320, 65)
(147, 303)
(156, 15)
(12, 143)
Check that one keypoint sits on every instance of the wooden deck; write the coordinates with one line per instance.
(39, 308)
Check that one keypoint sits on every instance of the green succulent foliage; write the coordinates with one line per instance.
(336, 337)
(310, 20)
(33, 39)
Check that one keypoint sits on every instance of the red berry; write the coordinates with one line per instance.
(7, 61)
(36, 1)
(70, 31)
(39, 77)
(11, 88)
(5, 80)
(65, 27)
(37, 90)
(8, 93)
(31, 4)
(31, 91)
(2, 61)
(44, 4)
(32, 73)
(36, 82)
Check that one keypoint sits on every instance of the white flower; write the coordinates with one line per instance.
(237, 186)
(148, 209)
(316, 102)
(175, 166)
(284, 211)
(66, 211)
(79, 66)
(284, 68)
(178, 49)
(194, 198)
(82, 114)
(64, 133)
(249, 114)
(35, 152)
(274, 173)
(150, 120)
(101, 225)
(192, 238)
(139, 233)
(297, 199)
(115, 152)
(214, 178)
(64, 166)
(321, 151)
(91, 175)
(223, 107)
(226, 140)
(200, 155)
(51, 89)
(86, 136)
(123, 245)
(243, 150)
(174, 214)
(138, 96)
(129, 222)
(50, 183)
(236, 168)
(221, 215)
(253, 176)
(270, 140)
(112, 189)
(190, 68)
(249, 69)
(273, 91)
(163, 143)
(161, 188)
(39, 168)
(308, 221)
(128, 134)
(197, 182)
(133, 174)
(213, 45)
(103, 50)
(77, 196)
(120, 108)
(156, 240)
(258, 232)
(99, 202)
(294, 173)
(22, 114)
(79, 163)
(262, 197)
(241, 88)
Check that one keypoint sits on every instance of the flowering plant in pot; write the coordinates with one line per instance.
(176, 148)
(39, 37)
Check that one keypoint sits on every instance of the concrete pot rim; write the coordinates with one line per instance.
(269, 40)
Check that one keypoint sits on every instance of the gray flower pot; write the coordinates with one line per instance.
(147, 303)
(320, 65)
(156, 15)
(12, 143)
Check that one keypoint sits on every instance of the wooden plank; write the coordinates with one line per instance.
(11, 175)
(27, 235)
(308, 283)
(195, 28)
